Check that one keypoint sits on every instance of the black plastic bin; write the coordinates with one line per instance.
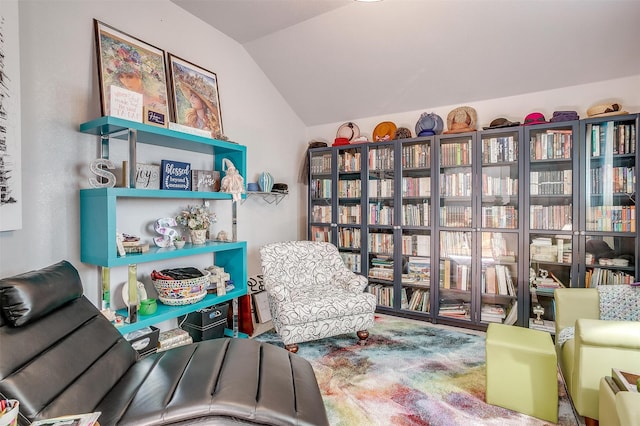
(205, 324)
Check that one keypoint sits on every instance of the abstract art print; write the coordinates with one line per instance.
(127, 62)
(196, 102)
(10, 150)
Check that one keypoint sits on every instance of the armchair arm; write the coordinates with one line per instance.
(350, 280)
(608, 334)
(574, 303)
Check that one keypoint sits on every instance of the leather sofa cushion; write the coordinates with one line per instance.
(26, 297)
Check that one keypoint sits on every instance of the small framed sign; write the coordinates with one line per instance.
(175, 175)
(205, 180)
(155, 117)
(147, 176)
(125, 104)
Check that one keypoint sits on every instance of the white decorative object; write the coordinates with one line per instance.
(164, 227)
(125, 104)
(233, 182)
(95, 165)
(147, 176)
(191, 130)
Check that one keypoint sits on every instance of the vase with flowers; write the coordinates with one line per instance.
(197, 219)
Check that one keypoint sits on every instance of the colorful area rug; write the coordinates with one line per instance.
(409, 373)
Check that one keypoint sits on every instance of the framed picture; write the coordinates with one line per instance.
(129, 63)
(194, 91)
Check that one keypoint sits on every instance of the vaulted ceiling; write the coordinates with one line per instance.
(338, 60)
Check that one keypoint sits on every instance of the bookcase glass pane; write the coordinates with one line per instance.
(381, 265)
(455, 274)
(416, 184)
(551, 179)
(320, 189)
(499, 277)
(610, 190)
(381, 183)
(456, 183)
(609, 260)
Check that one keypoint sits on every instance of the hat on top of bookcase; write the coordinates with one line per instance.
(501, 122)
(429, 124)
(559, 116)
(534, 118)
(604, 110)
(462, 119)
(348, 130)
(384, 131)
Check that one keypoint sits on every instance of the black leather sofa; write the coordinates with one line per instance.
(59, 355)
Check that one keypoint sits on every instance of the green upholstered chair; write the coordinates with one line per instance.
(596, 347)
(522, 372)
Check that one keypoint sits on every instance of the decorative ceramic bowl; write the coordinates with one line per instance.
(265, 181)
(148, 307)
(179, 243)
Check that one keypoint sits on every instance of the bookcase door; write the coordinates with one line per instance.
(349, 218)
(552, 222)
(416, 223)
(381, 221)
(500, 224)
(321, 195)
(609, 240)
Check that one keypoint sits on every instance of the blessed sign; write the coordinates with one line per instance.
(175, 175)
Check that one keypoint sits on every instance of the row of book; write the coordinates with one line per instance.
(383, 293)
(551, 182)
(380, 188)
(456, 216)
(549, 217)
(551, 145)
(456, 154)
(320, 188)
(380, 243)
(497, 279)
(611, 138)
(544, 249)
(321, 214)
(499, 150)
(455, 244)
(349, 238)
(381, 158)
(321, 234)
(455, 275)
(416, 214)
(416, 186)
(499, 185)
(380, 214)
(600, 276)
(416, 245)
(349, 161)
(456, 184)
(320, 164)
(349, 214)
(617, 180)
(505, 217)
(611, 218)
(349, 188)
(417, 301)
(416, 156)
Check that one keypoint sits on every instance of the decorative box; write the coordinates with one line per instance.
(145, 340)
(205, 324)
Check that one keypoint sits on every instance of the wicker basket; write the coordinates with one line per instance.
(183, 301)
(182, 289)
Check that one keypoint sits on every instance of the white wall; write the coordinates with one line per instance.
(59, 90)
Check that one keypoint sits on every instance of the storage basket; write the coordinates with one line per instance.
(182, 289)
(184, 300)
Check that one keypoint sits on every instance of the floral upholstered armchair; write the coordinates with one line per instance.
(312, 294)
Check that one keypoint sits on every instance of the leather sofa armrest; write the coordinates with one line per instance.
(574, 303)
(608, 334)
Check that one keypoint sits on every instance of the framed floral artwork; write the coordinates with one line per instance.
(194, 90)
(127, 62)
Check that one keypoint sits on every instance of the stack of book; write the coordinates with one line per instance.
(381, 268)
(492, 313)
(173, 338)
(135, 247)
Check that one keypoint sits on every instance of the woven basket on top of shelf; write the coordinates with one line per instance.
(182, 292)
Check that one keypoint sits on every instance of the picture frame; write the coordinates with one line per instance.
(195, 96)
(130, 63)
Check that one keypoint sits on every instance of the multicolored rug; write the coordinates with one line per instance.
(409, 373)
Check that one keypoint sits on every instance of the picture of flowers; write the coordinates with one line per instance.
(196, 102)
(132, 64)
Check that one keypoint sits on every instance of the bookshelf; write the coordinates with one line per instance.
(458, 228)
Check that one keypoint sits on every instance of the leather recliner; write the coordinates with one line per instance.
(59, 355)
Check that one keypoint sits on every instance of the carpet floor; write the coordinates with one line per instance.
(410, 373)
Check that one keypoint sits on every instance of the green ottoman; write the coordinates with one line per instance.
(522, 372)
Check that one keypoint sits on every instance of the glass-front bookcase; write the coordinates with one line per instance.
(349, 207)
(416, 222)
(381, 181)
(320, 195)
(609, 241)
(455, 222)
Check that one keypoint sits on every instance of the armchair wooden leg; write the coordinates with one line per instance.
(293, 348)
(590, 422)
(362, 335)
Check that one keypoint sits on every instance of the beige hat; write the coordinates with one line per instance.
(462, 119)
(604, 110)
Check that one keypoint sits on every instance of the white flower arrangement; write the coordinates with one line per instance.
(196, 217)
